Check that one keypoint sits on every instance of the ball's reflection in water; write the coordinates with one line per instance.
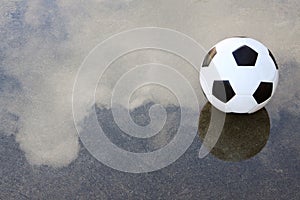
(243, 135)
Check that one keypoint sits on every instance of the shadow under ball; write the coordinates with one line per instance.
(243, 135)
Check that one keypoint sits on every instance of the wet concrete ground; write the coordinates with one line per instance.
(240, 166)
(42, 44)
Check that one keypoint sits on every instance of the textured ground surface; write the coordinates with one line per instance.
(42, 44)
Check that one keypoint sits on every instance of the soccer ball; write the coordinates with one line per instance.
(239, 75)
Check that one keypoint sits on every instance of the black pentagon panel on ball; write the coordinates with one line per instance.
(245, 56)
(209, 56)
(263, 92)
(223, 91)
(271, 55)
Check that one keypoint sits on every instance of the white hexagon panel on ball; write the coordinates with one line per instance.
(239, 75)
